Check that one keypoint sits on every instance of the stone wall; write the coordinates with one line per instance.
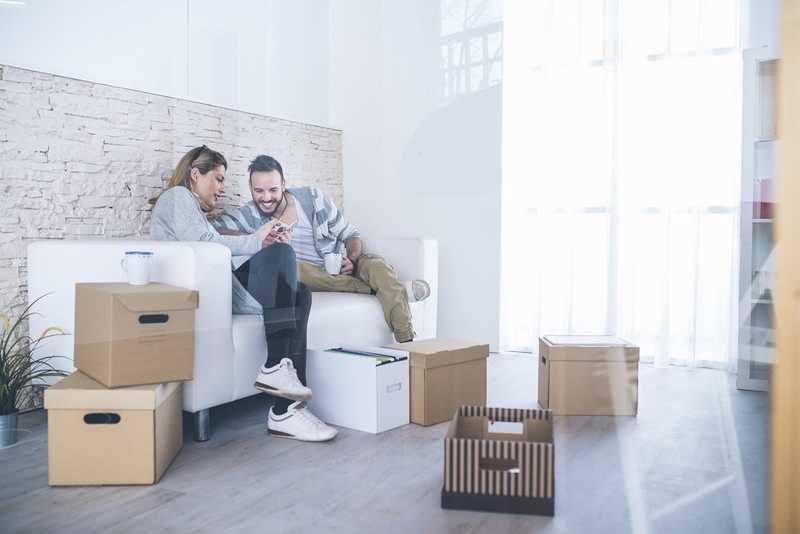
(79, 160)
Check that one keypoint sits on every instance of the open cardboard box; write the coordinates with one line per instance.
(500, 460)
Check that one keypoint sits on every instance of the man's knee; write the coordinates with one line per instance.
(283, 251)
(308, 271)
(277, 252)
(303, 295)
(373, 263)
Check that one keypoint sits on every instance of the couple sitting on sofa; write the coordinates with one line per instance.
(285, 233)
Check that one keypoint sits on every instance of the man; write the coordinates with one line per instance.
(314, 226)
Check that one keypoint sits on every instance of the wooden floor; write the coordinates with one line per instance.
(694, 460)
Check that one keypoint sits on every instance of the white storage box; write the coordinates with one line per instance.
(359, 392)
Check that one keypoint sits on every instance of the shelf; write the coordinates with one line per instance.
(759, 146)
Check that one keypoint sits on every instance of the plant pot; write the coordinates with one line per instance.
(8, 429)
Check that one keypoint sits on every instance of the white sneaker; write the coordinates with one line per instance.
(299, 423)
(281, 380)
(417, 290)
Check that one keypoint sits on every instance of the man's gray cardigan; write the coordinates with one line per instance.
(330, 228)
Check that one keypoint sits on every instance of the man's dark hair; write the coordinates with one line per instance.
(264, 163)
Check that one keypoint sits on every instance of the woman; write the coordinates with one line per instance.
(266, 283)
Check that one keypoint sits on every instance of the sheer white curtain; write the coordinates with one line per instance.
(622, 134)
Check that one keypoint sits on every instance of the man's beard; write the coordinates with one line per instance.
(277, 205)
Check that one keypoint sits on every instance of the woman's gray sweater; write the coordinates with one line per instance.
(177, 217)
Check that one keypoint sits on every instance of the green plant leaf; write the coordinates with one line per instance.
(20, 368)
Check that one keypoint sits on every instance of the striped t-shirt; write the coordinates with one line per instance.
(303, 240)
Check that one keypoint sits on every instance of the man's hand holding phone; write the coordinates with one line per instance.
(282, 233)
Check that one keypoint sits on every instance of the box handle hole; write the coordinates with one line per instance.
(153, 318)
(391, 388)
(505, 465)
(544, 361)
(505, 427)
(101, 418)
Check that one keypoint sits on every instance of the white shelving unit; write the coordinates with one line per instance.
(756, 280)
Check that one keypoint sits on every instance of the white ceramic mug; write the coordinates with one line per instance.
(333, 262)
(136, 265)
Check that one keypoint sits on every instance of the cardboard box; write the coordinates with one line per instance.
(588, 375)
(129, 335)
(98, 436)
(491, 467)
(445, 374)
(358, 392)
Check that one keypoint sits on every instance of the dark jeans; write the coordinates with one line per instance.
(271, 277)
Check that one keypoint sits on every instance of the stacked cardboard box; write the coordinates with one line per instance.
(129, 335)
(117, 419)
(98, 435)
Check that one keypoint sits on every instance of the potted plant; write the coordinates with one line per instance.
(20, 368)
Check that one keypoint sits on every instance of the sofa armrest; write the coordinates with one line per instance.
(414, 259)
(54, 267)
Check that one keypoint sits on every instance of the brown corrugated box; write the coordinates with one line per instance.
(445, 374)
(129, 335)
(500, 469)
(588, 375)
(98, 436)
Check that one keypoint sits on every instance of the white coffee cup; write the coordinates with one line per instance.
(333, 262)
(136, 265)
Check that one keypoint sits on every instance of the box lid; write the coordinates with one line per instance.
(590, 348)
(79, 392)
(150, 297)
(587, 341)
(430, 353)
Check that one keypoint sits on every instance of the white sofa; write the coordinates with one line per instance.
(228, 348)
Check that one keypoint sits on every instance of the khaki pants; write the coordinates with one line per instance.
(373, 274)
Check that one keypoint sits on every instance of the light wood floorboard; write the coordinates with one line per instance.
(694, 460)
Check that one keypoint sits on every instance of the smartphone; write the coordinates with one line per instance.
(281, 227)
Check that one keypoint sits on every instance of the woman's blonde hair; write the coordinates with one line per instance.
(201, 158)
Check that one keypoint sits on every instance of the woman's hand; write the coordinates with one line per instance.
(282, 235)
(278, 235)
(265, 231)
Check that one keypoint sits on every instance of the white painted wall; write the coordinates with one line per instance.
(140, 45)
(413, 164)
(266, 57)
